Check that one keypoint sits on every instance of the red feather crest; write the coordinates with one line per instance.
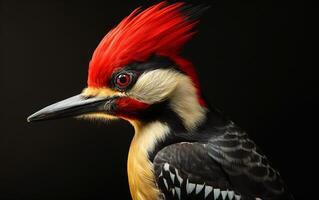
(161, 29)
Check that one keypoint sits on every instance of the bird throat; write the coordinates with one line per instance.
(140, 169)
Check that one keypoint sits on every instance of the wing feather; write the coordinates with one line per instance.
(245, 163)
(229, 164)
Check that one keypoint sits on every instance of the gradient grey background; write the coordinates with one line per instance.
(251, 59)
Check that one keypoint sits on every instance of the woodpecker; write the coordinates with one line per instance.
(182, 148)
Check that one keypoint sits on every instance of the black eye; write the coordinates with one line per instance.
(123, 80)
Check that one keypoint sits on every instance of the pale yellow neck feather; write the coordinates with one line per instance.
(140, 169)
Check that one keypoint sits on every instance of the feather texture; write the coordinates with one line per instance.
(161, 29)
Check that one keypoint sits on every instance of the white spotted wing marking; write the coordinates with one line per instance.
(166, 167)
(216, 193)
(190, 187)
(231, 194)
(199, 188)
(165, 183)
(208, 190)
(224, 193)
(237, 197)
(172, 177)
(173, 191)
(179, 178)
(178, 192)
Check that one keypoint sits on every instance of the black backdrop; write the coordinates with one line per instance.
(252, 64)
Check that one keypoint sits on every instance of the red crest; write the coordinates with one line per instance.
(161, 29)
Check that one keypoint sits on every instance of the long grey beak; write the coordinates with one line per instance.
(73, 106)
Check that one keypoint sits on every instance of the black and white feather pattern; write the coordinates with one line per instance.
(174, 186)
(227, 166)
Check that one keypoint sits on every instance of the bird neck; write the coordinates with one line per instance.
(180, 113)
(184, 101)
(181, 108)
(139, 167)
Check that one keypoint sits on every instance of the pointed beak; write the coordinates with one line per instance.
(74, 106)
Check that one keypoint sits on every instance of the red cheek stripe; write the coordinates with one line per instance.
(130, 108)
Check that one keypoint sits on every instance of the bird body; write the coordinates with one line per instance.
(182, 148)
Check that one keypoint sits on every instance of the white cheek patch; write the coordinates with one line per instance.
(185, 103)
(162, 84)
(155, 86)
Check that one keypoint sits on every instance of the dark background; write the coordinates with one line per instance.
(252, 62)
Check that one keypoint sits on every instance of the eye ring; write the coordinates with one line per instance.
(123, 80)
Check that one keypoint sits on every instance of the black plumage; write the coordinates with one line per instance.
(218, 161)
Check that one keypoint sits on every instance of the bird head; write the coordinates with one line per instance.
(137, 70)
